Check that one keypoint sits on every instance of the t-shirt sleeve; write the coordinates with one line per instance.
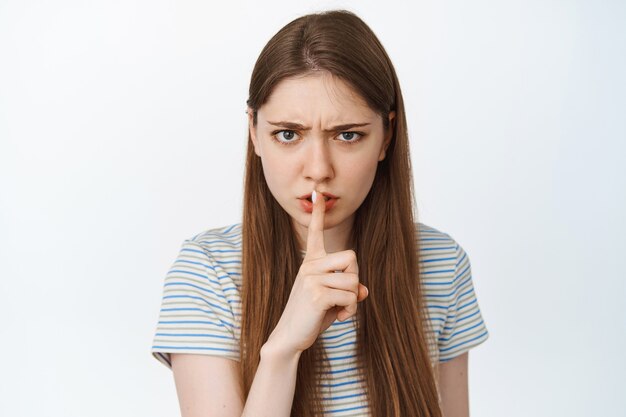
(195, 316)
(464, 326)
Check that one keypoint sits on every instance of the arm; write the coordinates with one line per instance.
(274, 384)
(208, 386)
(453, 384)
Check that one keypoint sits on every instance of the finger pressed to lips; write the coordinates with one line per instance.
(315, 238)
(316, 249)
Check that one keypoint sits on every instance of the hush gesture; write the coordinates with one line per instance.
(319, 295)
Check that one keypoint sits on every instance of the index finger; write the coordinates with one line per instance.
(315, 235)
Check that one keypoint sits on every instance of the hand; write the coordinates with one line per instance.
(319, 295)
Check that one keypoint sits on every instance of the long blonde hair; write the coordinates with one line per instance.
(392, 339)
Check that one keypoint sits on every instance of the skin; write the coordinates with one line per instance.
(318, 159)
(453, 385)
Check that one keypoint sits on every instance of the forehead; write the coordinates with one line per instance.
(316, 95)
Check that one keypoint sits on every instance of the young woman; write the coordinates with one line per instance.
(344, 305)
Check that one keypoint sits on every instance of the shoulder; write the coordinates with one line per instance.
(427, 229)
(441, 258)
(219, 241)
(201, 293)
(432, 241)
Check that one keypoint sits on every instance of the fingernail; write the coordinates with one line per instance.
(367, 292)
(313, 196)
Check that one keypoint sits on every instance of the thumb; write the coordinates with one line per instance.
(363, 293)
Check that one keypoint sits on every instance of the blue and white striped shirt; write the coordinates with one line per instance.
(201, 310)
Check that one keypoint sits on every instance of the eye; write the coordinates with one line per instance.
(286, 134)
(351, 137)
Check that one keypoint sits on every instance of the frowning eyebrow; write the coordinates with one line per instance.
(298, 126)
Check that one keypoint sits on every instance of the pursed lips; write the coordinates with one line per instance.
(327, 196)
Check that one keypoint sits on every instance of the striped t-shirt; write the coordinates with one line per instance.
(201, 310)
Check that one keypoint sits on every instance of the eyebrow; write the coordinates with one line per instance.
(298, 126)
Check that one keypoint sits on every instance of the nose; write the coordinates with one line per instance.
(318, 165)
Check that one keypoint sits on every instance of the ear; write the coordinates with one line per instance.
(252, 130)
(388, 136)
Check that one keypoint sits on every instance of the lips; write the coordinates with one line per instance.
(327, 196)
(307, 205)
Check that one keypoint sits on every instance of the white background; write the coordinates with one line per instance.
(122, 132)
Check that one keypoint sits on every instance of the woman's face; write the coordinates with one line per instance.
(307, 137)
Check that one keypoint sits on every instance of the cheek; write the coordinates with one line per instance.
(360, 175)
(367, 173)
(278, 174)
